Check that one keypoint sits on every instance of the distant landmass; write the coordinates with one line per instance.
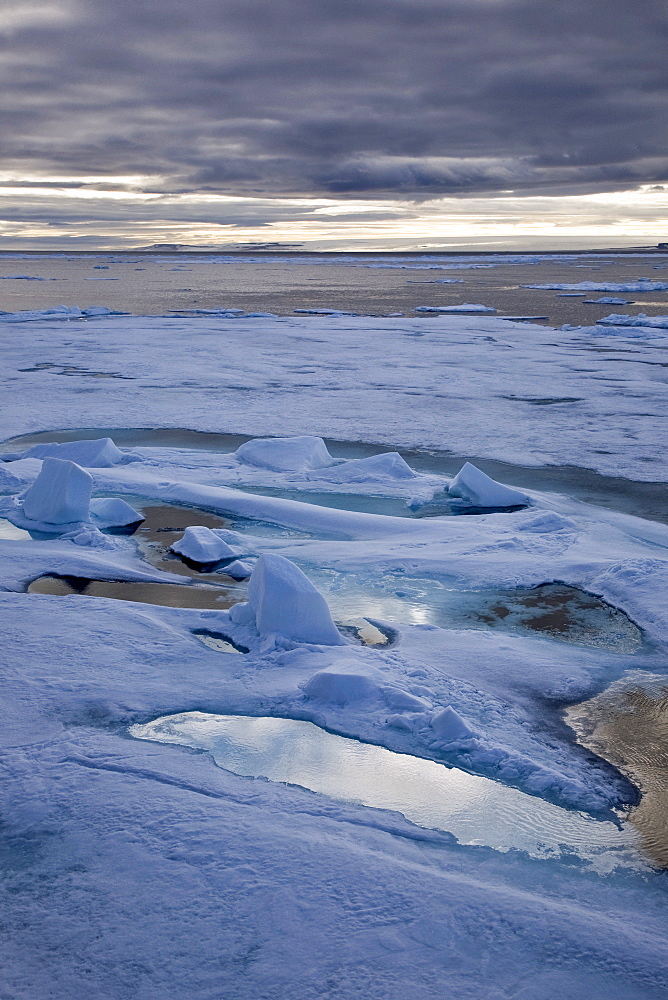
(172, 247)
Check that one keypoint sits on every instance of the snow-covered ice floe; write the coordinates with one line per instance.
(463, 307)
(162, 867)
(641, 285)
(58, 313)
(623, 319)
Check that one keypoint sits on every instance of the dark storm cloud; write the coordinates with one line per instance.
(403, 97)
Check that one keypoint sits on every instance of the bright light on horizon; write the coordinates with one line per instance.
(127, 210)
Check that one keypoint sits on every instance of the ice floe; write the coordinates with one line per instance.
(642, 285)
(622, 319)
(473, 485)
(463, 307)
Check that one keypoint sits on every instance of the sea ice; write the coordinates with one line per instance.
(623, 319)
(202, 545)
(324, 312)
(101, 453)
(290, 454)
(114, 512)
(607, 300)
(473, 485)
(464, 307)
(60, 494)
(239, 569)
(283, 601)
(642, 285)
(377, 467)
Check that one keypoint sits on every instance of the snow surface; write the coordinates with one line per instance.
(458, 384)
(135, 868)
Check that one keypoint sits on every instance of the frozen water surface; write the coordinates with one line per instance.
(643, 499)
(559, 611)
(475, 809)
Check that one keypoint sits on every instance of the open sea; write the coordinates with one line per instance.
(148, 283)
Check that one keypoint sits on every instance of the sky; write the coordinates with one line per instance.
(333, 125)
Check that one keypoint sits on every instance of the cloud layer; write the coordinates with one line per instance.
(404, 98)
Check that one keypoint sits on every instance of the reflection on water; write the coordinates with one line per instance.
(171, 595)
(10, 531)
(476, 810)
(219, 641)
(627, 725)
(553, 610)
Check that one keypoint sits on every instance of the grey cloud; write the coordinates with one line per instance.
(406, 97)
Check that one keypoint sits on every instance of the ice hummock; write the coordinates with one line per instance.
(100, 453)
(475, 486)
(289, 454)
(113, 512)
(389, 465)
(346, 683)
(60, 494)
(450, 727)
(202, 545)
(283, 601)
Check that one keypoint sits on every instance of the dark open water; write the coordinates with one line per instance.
(369, 284)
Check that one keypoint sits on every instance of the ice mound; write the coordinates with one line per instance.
(239, 569)
(473, 485)
(402, 701)
(377, 467)
(114, 512)
(293, 454)
(202, 545)
(463, 307)
(282, 600)
(8, 481)
(449, 726)
(99, 454)
(546, 522)
(60, 494)
(89, 537)
(343, 684)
